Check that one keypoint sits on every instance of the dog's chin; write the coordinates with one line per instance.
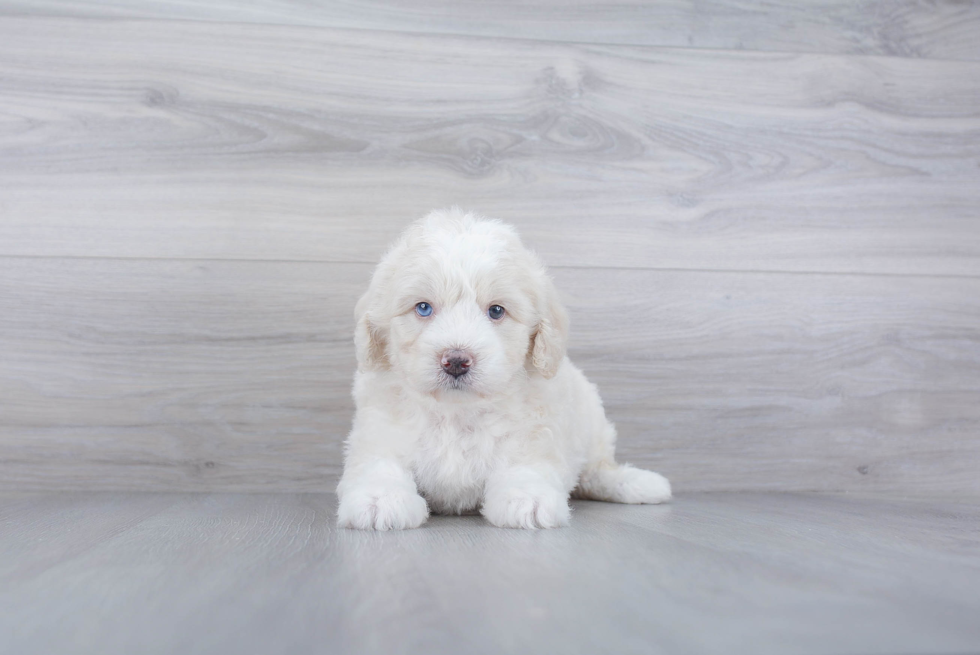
(459, 389)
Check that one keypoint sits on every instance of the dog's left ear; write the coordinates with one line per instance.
(551, 333)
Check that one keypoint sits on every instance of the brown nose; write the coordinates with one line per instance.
(456, 362)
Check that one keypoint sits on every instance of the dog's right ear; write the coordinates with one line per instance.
(369, 340)
(549, 337)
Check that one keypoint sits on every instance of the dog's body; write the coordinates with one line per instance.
(465, 399)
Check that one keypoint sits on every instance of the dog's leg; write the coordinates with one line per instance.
(621, 483)
(604, 479)
(526, 497)
(378, 491)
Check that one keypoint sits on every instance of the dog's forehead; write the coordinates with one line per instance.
(480, 256)
(484, 246)
(457, 262)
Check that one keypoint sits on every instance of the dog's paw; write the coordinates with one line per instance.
(515, 507)
(382, 509)
(637, 486)
(623, 484)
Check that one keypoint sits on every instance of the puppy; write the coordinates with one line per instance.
(465, 398)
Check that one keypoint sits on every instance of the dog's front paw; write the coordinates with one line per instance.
(382, 509)
(514, 507)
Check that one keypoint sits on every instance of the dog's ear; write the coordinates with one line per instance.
(370, 340)
(551, 333)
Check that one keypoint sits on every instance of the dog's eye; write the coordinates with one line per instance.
(496, 312)
(423, 309)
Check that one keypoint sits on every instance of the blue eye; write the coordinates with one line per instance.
(496, 312)
(423, 309)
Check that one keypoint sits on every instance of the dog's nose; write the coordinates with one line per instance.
(456, 362)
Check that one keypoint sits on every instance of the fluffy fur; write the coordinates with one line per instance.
(513, 436)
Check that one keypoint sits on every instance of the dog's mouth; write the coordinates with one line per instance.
(463, 383)
(457, 382)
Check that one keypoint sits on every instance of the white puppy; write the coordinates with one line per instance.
(465, 398)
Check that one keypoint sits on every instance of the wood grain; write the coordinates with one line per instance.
(772, 259)
(234, 141)
(175, 375)
(263, 573)
(235, 375)
(946, 29)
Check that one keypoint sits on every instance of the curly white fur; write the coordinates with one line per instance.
(516, 433)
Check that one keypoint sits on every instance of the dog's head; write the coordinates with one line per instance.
(459, 306)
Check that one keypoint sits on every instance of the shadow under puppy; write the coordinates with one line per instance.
(465, 398)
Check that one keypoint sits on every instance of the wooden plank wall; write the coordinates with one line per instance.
(765, 221)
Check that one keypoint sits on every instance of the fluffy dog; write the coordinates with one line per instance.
(465, 398)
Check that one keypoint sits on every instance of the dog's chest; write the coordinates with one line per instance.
(454, 457)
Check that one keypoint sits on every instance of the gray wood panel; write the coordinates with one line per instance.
(228, 375)
(174, 375)
(906, 28)
(268, 573)
(208, 140)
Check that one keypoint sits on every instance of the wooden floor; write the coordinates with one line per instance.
(108, 573)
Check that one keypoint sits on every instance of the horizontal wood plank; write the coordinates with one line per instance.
(235, 375)
(233, 141)
(905, 28)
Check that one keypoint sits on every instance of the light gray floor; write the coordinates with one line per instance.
(267, 573)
